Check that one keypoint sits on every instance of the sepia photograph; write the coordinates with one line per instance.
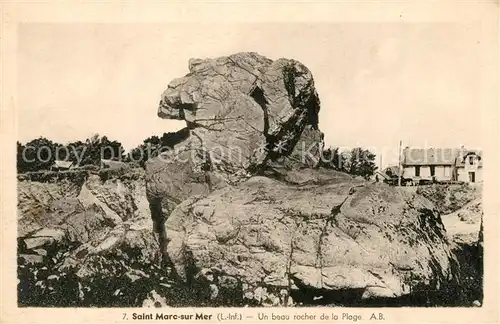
(251, 165)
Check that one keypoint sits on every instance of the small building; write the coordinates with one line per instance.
(60, 165)
(441, 165)
(469, 166)
(392, 171)
(388, 175)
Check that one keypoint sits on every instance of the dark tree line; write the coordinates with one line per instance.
(40, 154)
(358, 161)
(154, 145)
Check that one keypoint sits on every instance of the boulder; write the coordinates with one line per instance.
(44, 238)
(242, 112)
(244, 102)
(311, 240)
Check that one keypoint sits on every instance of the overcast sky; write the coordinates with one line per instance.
(378, 83)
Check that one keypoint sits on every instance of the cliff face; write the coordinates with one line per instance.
(450, 198)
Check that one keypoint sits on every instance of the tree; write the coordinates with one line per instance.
(110, 149)
(37, 154)
(360, 162)
(331, 159)
(154, 145)
(357, 161)
(20, 161)
(95, 149)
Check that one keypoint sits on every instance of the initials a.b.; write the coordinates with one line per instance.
(377, 317)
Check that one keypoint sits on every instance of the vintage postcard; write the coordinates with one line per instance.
(247, 162)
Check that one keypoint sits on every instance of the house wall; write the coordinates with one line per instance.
(463, 174)
(409, 172)
(442, 173)
(425, 172)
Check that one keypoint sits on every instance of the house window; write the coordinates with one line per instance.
(471, 160)
(447, 171)
(417, 171)
(433, 170)
(472, 177)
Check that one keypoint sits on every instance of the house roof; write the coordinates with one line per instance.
(461, 159)
(432, 156)
(63, 164)
(383, 175)
(437, 156)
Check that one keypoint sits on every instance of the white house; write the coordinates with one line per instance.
(438, 164)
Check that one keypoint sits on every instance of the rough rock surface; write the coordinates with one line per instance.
(241, 111)
(464, 228)
(85, 208)
(450, 198)
(463, 225)
(312, 240)
(76, 229)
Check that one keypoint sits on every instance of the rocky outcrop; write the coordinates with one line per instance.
(244, 101)
(242, 111)
(452, 197)
(80, 207)
(77, 228)
(461, 209)
(241, 211)
(464, 228)
(341, 241)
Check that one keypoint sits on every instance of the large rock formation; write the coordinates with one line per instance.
(263, 221)
(342, 240)
(243, 112)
